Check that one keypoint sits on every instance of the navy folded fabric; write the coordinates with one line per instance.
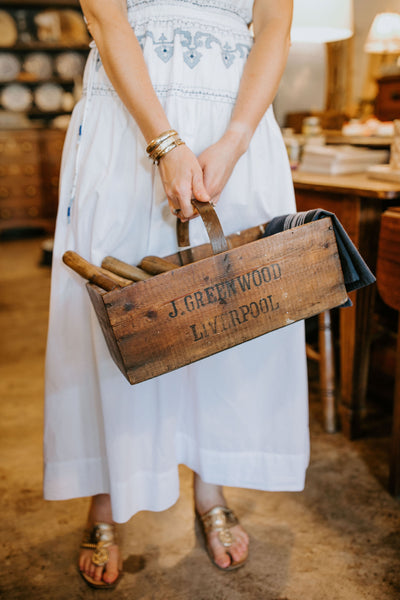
(356, 273)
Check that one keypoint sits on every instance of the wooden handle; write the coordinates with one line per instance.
(121, 281)
(156, 265)
(89, 271)
(124, 269)
(212, 225)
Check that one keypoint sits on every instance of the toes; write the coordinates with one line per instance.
(237, 552)
(110, 575)
(239, 548)
(85, 560)
(221, 558)
(111, 570)
(98, 573)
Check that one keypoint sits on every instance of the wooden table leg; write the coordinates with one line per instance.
(355, 341)
(327, 371)
(394, 477)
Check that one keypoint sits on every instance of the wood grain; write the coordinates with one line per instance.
(388, 265)
(388, 281)
(125, 270)
(194, 311)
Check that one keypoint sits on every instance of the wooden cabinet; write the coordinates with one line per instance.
(387, 104)
(29, 171)
(36, 33)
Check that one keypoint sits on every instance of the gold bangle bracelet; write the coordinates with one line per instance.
(163, 136)
(160, 147)
(165, 151)
(173, 145)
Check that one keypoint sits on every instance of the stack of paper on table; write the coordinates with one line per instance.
(336, 160)
(384, 173)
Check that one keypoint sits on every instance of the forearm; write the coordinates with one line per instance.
(124, 64)
(261, 77)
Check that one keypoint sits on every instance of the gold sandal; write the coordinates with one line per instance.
(220, 519)
(99, 539)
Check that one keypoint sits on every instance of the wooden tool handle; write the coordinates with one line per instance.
(123, 269)
(121, 281)
(212, 225)
(156, 265)
(89, 271)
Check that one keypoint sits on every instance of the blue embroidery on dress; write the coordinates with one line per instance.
(218, 5)
(173, 89)
(164, 48)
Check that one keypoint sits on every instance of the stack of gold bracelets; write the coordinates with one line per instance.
(163, 144)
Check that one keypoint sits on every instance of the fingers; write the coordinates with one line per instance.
(180, 200)
(183, 180)
(199, 189)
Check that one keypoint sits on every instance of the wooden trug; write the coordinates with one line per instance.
(186, 314)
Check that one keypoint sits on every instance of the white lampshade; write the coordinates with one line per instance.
(322, 20)
(384, 35)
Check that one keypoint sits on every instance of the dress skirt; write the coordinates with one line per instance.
(238, 418)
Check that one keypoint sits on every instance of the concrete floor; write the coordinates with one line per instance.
(337, 540)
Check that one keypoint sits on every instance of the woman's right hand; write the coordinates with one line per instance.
(182, 178)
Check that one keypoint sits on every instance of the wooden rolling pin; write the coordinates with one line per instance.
(156, 265)
(124, 269)
(90, 272)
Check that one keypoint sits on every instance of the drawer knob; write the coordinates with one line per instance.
(31, 191)
(33, 211)
(5, 213)
(27, 146)
(29, 170)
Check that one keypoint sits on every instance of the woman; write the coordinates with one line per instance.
(236, 418)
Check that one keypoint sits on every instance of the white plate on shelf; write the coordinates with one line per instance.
(16, 97)
(49, 97)
(69, 65)
(10, 66)
(39, 65)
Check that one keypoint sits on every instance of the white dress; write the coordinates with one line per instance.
(239, 418)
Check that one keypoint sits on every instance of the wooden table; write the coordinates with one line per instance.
(358, 202)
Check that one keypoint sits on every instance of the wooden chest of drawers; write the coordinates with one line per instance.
(387, 104)
(29, 169)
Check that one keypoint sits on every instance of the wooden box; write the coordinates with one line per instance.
(221, 300)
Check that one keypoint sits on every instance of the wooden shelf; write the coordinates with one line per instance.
(37, 82)
(36, 46)
(40, 3)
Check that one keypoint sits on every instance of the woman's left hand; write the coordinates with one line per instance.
(218, 162)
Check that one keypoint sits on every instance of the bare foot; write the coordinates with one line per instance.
(100, 512)
(207, 496)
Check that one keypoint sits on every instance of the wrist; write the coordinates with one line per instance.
(238, 135)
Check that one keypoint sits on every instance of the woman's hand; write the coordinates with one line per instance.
(219, 160)
(182, 178)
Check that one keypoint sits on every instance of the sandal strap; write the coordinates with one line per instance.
(220, 519)
(99, 539)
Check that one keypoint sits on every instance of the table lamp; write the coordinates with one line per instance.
(384, 34)
(317, 76)
(322, 20)
(382, 46)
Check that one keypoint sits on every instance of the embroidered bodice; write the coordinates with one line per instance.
(241, 8)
